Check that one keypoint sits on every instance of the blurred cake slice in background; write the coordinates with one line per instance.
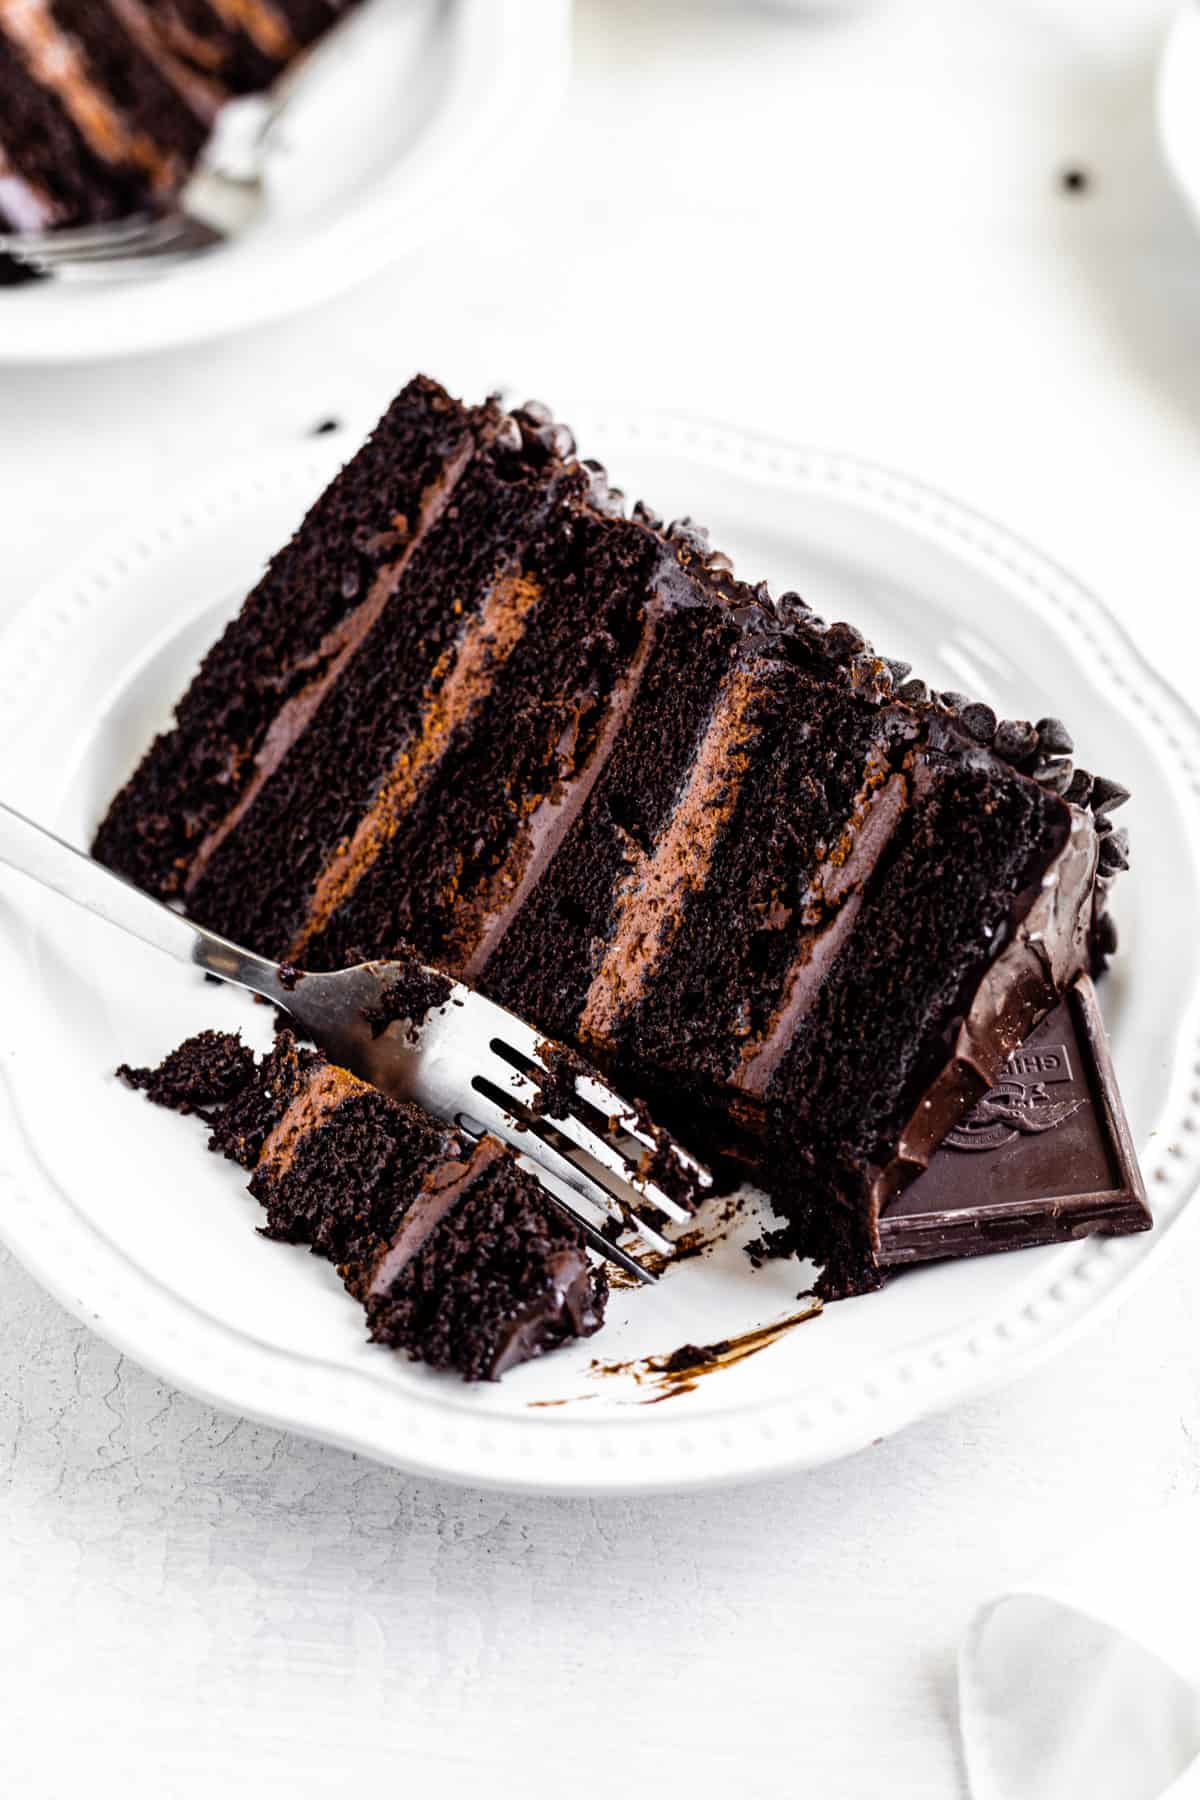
(106, 105)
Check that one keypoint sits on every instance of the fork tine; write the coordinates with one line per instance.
(125, 250)
(611, 1105)
(598, 1242)
(527, 1093)
(492, 1111)
(120, 268)
(75, 240)
(152, 239)
(566, 1200)
(519, 1131)
(494, 1042)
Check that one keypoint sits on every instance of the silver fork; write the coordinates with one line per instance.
(467, 1060)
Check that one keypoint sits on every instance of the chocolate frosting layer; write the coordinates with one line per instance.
(550, 823)
(839, 885)
(441, 1192)
(649, 898)
(488, 640)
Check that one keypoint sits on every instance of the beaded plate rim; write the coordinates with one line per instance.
(649, 1450)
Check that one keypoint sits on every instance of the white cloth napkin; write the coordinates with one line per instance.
(1085, 1685)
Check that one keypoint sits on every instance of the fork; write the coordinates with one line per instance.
(600, 1159)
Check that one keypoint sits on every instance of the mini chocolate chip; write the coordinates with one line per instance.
(792, 602)
(718, 563)
(556, 440)
(1080, 791)
(979, 720)
(900, 670)
(599, 492)
(1105, 936)
(1053, 738)
(646, 515)
(537, 412)
(1107, 795)
(1056, 776)
(913, 693)
(868, 672)
(842, 640)
(508, 435)
(1114, 852)
(954, 701)
(1015, 739)
(614, 502)
(686, 531)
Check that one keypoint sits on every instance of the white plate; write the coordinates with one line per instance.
(415, 116)
(1179, 103)
(118, 1210)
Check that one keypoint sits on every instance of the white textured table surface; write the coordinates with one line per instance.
(847, 229)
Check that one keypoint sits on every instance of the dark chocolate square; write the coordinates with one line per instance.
(1045, 1156)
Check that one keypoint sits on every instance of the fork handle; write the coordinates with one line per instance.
(37, 853)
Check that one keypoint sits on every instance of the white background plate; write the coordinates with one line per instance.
(118, 1210)
(417, 114)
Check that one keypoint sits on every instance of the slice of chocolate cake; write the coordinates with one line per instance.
(107, 105)
(803, 906)
(456, 1253)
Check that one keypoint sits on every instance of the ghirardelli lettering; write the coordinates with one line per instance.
(1042, 1062)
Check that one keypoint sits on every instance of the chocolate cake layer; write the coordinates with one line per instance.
(456, 1253)
(483, 1274)
(266, 676)
(451, 623)
(800, 903)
